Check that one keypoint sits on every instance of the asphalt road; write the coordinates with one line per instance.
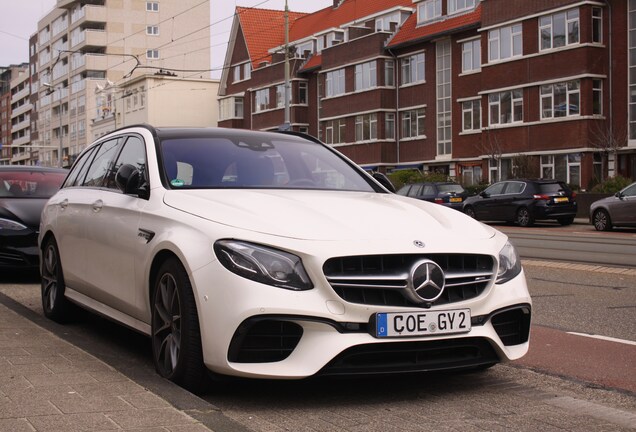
(567, 381)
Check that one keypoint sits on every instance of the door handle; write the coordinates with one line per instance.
(64, 204)
(97, 205)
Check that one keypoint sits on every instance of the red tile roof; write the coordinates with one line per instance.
(315, 61)
(348, 11)
(410, 32)
(263, 29)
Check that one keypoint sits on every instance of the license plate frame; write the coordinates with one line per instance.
(455, 199)
(561, 200)
(420, 323)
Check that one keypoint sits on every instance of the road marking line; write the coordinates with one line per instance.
(606, 338)
(601, 412)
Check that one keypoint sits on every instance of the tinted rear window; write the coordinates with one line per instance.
(450, 188)
(553, 188)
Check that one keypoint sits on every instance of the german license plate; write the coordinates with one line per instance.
(422, 323)
(561, 199)
(456, 199)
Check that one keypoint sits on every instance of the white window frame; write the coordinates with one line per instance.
(247, 71)
(495, 101)
(152, 6)
(389, 73)
(547, 166)
(303, 93)
(509, 35)
(597, 94)
(335, 83)
(366, 127)
(547, 24)
(429, 10)
(261, 100)
(471, 56)
(472, 108)
(413, 123)
(548, 103)
(152, 54)
(456, 6)
(411, 67)
(366, 76)
(597, 24)
(389, 126)
(383, 23)
(152, 30)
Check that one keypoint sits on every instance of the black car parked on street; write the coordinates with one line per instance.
(524, 201)
(448, 194)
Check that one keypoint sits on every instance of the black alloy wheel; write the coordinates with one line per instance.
(601, 220)
(176, 337)
(524, 218)
(55, 306)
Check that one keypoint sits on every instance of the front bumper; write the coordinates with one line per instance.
(19, 250)
(253, 330)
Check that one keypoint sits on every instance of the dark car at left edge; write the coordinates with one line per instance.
(24, 190)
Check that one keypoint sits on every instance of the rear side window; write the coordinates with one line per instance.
(103, 159)
(78, 172)
(515, 187)
(133, 153)
(553, 188)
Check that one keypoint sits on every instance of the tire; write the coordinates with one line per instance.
(524, 218)
(566, 220)
(54, 304)
(176, 337)
(470, 212)
(601, 220)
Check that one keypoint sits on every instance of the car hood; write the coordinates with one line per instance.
(328, 215)
(25, 210)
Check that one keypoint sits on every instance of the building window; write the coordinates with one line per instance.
(444, 117)
(261, 100)
(471, 115)
(413, 123)
(413, 69)
(428, 10)
(505, 43)
(247, 70)
(455, 6)
(389, 126)
(366, 76)
(152, 30)
(471, 56)
(560, 100)
(389, 73)
(366, 127)
(384, 23)
(559, 30)
(335, 131)
(152, 6)
(237, 73)
(547, 166)
(505, 107)
(280, 96)
(335, 83)
(597, 25)
(597, 97)
(152, 54)
(302, 93)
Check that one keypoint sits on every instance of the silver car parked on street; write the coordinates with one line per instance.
(617, 210)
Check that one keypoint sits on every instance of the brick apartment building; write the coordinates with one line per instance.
(479, 90)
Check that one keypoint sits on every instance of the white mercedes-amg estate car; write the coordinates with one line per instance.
(271, 255)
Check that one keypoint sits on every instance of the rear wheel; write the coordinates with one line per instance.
(524, 218)
(566, 220)
(601, 220)
(176, 337)
(55, 306)
(470, 212)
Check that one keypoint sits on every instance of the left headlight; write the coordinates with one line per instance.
(6, 224)
(509, 263)
(263, 264)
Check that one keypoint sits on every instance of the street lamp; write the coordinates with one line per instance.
(51, 89)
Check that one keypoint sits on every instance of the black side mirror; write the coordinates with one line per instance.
(619, 195)
(128, 180)
(484, 194)
(384, 181)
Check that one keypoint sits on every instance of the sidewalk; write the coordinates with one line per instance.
(47, 384)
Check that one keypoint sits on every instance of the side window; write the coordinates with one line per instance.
(514, 188)
(103, 159)
(496, 189)
(416, 190)
(630, 191)
(133, 153)
(76, 176)
(428, 190)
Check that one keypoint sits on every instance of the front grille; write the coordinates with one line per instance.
(395, 357)
(512, 326)
(382, 280)
(260, 340)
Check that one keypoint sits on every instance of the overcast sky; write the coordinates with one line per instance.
(19, 20)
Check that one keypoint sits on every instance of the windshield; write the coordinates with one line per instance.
(281, 162)
(30, 183)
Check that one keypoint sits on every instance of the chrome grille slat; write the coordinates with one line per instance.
(381, 280)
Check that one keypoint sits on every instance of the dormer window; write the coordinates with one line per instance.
(383, 23)
(334, 38)
(307, 47)
(428, 10)
(455, 6)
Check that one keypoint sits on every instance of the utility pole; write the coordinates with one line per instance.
(287, 124)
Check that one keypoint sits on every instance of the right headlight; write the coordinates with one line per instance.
(7, 224)
(509, 264)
